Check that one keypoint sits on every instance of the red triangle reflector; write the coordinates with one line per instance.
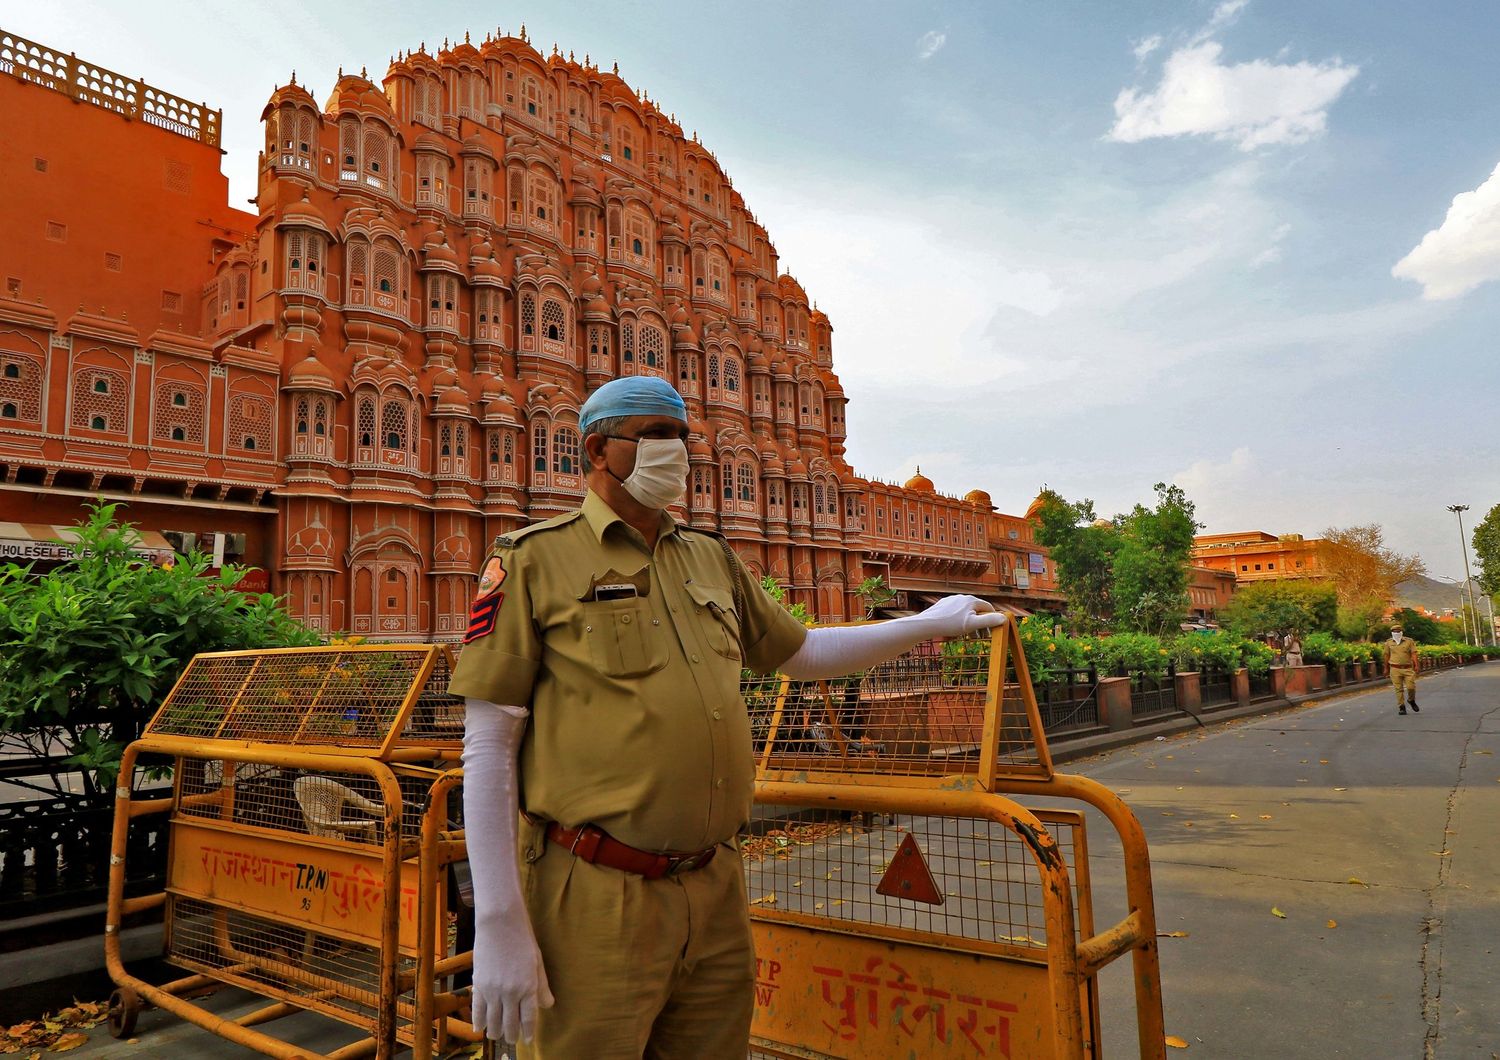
(909, 877)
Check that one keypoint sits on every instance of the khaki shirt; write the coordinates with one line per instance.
(1403, 654)
(637, 722)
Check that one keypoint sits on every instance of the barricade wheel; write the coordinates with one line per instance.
(124, 1007)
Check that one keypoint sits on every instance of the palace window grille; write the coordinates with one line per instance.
(713, 374)
(745, 478)
(178, 413)
(565, 451)
(477, 179)
(249, 423)
(528, 315)
(432, 188)
(445, 441)
(99, 400)
(732, 376)
(702, 491)
(554, 322)
(375, 160)
(543, 194)
(726, 477)
(653, 346)
(460, 441)
(509, 457)
(687, 374)
(365, 422)
(21, 386)
(627, 345)
(539, 452)
(394, 425)
(599, 358)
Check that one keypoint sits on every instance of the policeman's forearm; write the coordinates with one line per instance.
(836, 650)
(492, 741)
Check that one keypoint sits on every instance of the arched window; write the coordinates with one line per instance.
(12, 371)
(726, 479)
(365, 421)
(178, 434)
(713, 371)
(539, 449)
(320, 419)
(627, 343)
(565, 451)
(528, 315)
(393, 424)
(301, 415)
(746, 479)
(445, 441)
(554, 323)
(653, 346)
(732, 374)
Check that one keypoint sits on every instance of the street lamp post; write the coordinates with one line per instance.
(1458, 510)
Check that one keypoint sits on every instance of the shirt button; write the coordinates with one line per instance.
(588, 629)
(719, 783)
(656, 621)
(717, 715)
(695, 658)
(624, 620)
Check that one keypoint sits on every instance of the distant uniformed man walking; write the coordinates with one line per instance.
(601, 683)
(1401, 659)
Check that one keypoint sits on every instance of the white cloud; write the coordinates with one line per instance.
(1223, 15)
(1272, 253)
(1146, 47)
(930, 44)
(1251, 104)
(1464, 251)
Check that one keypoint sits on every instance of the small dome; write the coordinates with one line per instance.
(920, 483)
(1035, 508)
(303, 212)
(310, 372)
(591, 285)
(436, 249)
(292, 93)
(453, 400)
(978, 497)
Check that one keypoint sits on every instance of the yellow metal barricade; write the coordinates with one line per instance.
(310, 847)
(904, 902)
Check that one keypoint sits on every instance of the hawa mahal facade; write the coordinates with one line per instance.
(354, 389)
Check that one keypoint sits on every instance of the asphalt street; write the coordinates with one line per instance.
(1372, 834)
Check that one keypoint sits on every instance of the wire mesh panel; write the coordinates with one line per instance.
(356, 699)
(852, 962)
(936, 710)
(826, 865)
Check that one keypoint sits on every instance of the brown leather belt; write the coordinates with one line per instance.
(598, 847)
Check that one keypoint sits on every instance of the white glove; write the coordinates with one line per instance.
(510, 983)
(836, 650)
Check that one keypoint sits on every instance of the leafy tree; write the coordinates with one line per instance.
(1151, 563)
(1419, 627)
(1131, 572)
(875, 593)
(778, 593)
(1486, 541)
(1359, 621)
(1082, 549)
(1283, 607)
(1363, 570)
(88, 650)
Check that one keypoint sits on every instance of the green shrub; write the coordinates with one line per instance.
(88, 650)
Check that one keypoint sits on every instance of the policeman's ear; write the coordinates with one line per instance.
(593, 449)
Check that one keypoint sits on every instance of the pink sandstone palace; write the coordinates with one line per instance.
(354, 389)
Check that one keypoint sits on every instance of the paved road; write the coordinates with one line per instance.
(1283, 812)
(1276, 811)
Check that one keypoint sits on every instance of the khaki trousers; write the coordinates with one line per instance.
(662, 969)
(1404, 677)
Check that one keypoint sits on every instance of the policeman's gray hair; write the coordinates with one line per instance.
(606, 426)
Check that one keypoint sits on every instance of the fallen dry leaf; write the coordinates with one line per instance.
(1171, 934)
(1187, 824)
(1176, 1042)
(1340, 789)
(1322, 761)
(1265, 817)
(1358, 882)
(68, 1041)
(1168, 813)
(1277, 912)
(765, 899)
(1333, 924)
(1440, 853)
(1484, 752)
(1234, 817)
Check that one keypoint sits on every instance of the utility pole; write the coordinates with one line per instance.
(1458, 510)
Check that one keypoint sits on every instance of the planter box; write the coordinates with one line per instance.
(1301, 680)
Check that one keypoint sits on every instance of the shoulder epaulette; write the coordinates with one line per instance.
(513, 538)
(702, 530)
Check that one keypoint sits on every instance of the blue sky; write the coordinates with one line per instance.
(1249, 246)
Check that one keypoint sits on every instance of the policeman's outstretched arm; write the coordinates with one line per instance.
(837, 650)
(510, 983)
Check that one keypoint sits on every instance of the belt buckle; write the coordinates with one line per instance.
(690, 862)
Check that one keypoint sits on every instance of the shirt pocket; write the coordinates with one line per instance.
(622, 640)
(718, 618)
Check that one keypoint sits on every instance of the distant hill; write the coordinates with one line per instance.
(1434, 595)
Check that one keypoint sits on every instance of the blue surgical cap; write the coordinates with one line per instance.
(641, 395)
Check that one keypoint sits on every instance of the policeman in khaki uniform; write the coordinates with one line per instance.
(1401, 660)
(601, 682)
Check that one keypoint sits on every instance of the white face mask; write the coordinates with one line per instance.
(1396, 637)
(660, 475)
